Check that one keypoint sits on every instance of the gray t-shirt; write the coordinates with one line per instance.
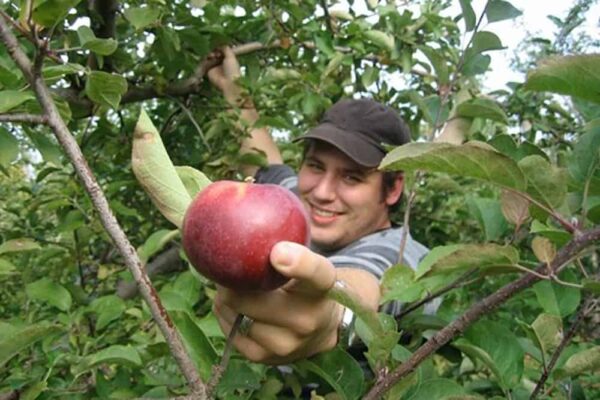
(374, 253)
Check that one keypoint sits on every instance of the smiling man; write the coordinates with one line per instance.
(353, 240)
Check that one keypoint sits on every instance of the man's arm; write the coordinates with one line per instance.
(224, 76)
(297, 320)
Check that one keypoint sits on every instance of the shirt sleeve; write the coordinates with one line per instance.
(278, 174)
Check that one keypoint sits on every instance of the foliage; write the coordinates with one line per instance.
(522, 181)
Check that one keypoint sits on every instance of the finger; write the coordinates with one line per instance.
(312, 272)
(276, 341)
(244, 344)
(274, 307)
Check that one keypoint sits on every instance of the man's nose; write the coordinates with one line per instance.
(324, 190)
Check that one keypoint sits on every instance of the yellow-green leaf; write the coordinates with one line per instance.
(155, 171)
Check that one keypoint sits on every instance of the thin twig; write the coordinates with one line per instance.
(329, 22)
(218, 370)
(194, 122)
(24, 118)
(564, 256)
(459, 282)
(100, 202)
(586, 308)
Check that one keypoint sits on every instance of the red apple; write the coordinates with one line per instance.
(230, 228)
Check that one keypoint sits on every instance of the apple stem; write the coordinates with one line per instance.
(218, 370)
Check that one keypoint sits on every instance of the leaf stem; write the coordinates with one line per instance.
(218, 370)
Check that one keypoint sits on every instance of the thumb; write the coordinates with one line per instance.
(311, 271)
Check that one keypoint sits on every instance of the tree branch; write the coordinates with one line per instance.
(165, 262)
(586, 308)
(24, 118)
(485, 306)
(110, 223)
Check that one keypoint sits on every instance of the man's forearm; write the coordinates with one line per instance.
(259, 140)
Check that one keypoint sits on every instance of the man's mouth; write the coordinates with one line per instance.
(321, 216)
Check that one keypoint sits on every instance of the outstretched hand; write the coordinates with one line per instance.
(224, 76)
(292, 322)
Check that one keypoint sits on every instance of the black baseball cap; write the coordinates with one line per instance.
(360, 128)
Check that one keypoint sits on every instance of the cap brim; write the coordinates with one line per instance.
(356, 146)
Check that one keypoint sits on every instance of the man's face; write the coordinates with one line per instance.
(343, 199)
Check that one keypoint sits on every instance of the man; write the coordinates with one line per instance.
(352, 238)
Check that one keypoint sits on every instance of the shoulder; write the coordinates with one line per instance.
(379, 251)
(278, 174)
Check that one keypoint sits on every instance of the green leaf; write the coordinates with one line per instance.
(155, 172)
(332, 66)
(105, 89)
(240, 377)
(482, 41)
(116, 354)
(577, 75)
(507, 145)
(499, 10)
(10, 99)
(549, 331)
(7, 268)
(47, 291)
(467, 160)
(107, 308)
(558, 236)
(188, 287)
(468, 14)
(155, 243)
(545, 182)
(141, 17)
(503, 348)
(438, 388)
(586, 155)
(23, 338)
(558, 299)
(48, 148)
(398, 283)
(89, 41)
(588, 284)
(54, 72)
(476, 64)
(9, 147)
(338, 369)
(489, 214)
(482, 108)
(369, 76)
(18, 245)
(438, 62)
(33, 391)
(196, 343)
(586, 361)
(381, 39)
(468, 256)
(50, 12)
(193, 180)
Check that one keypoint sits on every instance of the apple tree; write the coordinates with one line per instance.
(108, 128)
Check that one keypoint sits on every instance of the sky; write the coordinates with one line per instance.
(533, 21)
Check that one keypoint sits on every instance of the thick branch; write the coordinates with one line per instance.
(107, 218)
(485, 306)
(24, 118)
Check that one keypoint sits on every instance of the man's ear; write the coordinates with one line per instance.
(393, 195)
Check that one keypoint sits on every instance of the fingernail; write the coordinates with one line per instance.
(285, 254)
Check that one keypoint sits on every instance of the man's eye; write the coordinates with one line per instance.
(314, 166)
(352, 179)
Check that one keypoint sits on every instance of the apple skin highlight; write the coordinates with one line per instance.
(230, 228)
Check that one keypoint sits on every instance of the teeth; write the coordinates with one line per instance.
(323, 213)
